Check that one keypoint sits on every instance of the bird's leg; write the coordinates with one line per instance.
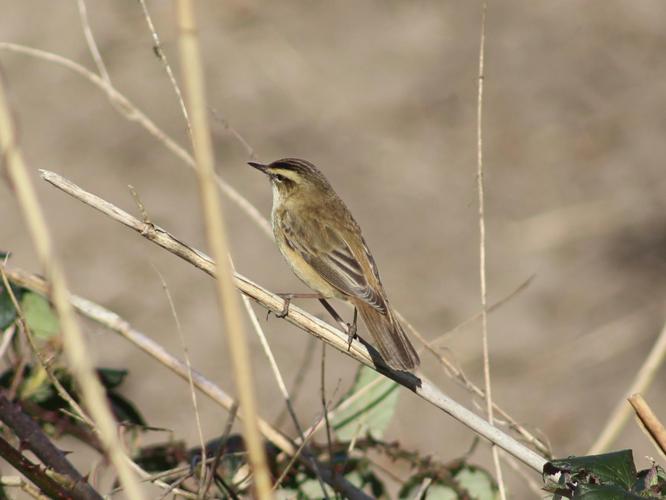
(349, 328)
(352, 329)
(287, 297)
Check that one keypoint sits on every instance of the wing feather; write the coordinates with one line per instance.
(332, 257)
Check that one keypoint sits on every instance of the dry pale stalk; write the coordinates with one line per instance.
(334, 337)
(217, 239)
(80, 362)
(115, 323)
(649, 420)
(642, 381)
(482, 252)
(132, 113)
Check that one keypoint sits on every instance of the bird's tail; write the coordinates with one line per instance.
(393, 344)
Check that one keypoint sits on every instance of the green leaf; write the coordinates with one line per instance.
(615, 468)
(124, 410)
(311, 488)
(39, 316)
(604, 492)
(37, 386)
(110, 377)
(478, 483)
(370, 413)
(7, 310)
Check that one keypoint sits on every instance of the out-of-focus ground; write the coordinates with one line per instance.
(382, 96)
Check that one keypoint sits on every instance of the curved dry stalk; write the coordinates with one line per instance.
(90, 40)
(75, 345)
(132, 113)
(359, 350)
(641, 382)
(115, 323)
(157, 47)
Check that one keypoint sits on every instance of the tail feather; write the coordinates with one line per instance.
(391, 340)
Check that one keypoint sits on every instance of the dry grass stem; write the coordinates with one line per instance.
(115, 323)
(455, 372)
(642, 381)
(90, 40)
(297, 385)
(193, 76)
(80, 361)
(291, 462)
(482, 252)
(157, 47)
(76, 409)
(134, 114)
(7, 337)
(186, 356)
(305, 321)
(651, 422)
(280, 381)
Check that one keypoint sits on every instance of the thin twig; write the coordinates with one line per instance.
(296, 386)
(482, 253)
(186, 356)
(324, 404)
(157, 47)
(223, 441)
(641, 382)
(283, 388)
(90, 40)
(217, 238)
(249, 150)
(651, 422)
(536, 487)
(62, 392)
(132, 113)
(295, 456)
(456, 373)
(7, 337)
(491, 308)
(336, 338)
(74, 341)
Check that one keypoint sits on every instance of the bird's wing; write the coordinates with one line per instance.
(327, 251)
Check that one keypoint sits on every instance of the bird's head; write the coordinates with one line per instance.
(291, 175)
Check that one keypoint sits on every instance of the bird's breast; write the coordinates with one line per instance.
(305, 272)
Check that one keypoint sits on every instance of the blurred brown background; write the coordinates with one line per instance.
(382, 96)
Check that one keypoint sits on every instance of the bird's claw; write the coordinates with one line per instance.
(351, 334)
(285, 308)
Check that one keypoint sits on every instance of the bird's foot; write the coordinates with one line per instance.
(351, 334)
(285, 308)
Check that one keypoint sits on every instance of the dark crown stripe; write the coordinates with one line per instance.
(294, 164)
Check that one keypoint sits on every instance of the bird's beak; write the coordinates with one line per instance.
(259, 166)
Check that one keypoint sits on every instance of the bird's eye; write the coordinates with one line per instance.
(280, 178)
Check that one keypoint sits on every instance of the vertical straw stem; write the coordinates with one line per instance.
(482, 250)
(80, 362)
(216, 234)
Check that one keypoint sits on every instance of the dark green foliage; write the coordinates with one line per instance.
(604, 477)
(7, 309)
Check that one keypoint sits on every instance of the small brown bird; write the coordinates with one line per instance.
(323, 244)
